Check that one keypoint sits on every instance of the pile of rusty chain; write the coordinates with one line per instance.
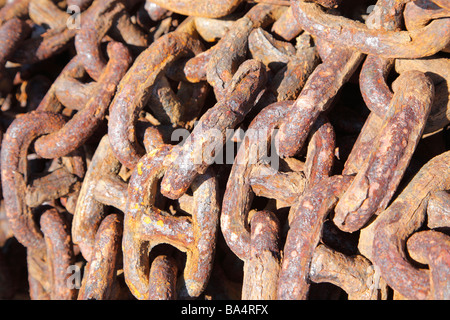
(313, 161)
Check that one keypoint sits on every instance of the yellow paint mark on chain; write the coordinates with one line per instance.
(139, 168)
(147, 220)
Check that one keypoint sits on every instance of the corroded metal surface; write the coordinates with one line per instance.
(127, 102)
(232, 149)
(399, 221)
(146, 226)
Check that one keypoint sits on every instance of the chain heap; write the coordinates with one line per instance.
(333, 117)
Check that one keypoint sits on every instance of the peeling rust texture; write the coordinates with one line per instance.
(433, 248)
(130, 98)
(388, 44)
(178, 109)
(320, 154)
(290, 80)
(282, 186)
(376, 93)
(287, 26)
(249, 175)
(238, 193)
(353, 274)
(363, 144)
(437, 67)
(12, 34)
(227, 56)
(307, 217)
(163, 279)
(60, 254)
(263, 265)
(89, 212)
(196, 67)
(83, 124)
(315, 132)
(58, 39)
(111, 190)
(230, 52)
(16, 141)
(317, 95)
(380, 175)
(210, 132)
(200, 8)
(51, 186)
(102, 268)
(88, 38)
(146, 226)
(102, 18)
(401, 219)
(274, 53)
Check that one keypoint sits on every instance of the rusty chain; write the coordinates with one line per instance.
(253, 150)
